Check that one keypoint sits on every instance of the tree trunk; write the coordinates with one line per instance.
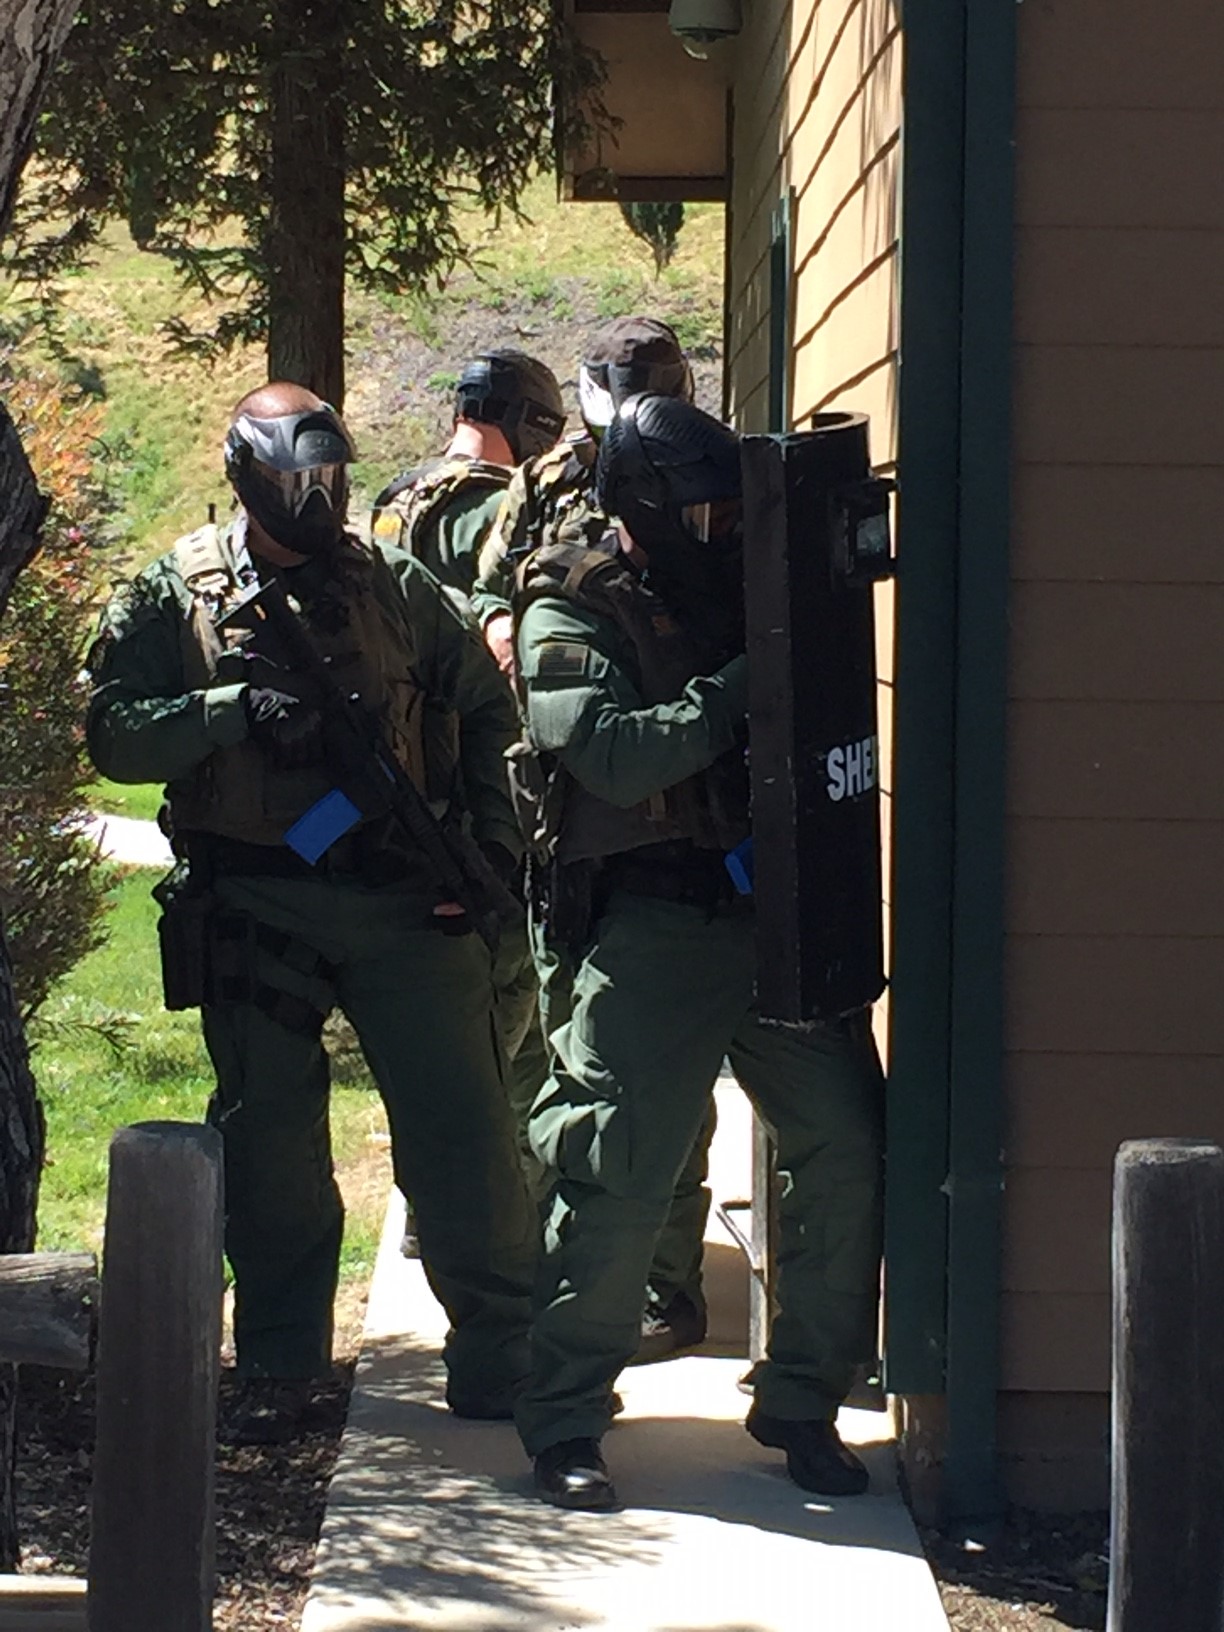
(31, 34)
(306, 230)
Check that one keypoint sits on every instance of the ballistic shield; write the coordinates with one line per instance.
(816, 534)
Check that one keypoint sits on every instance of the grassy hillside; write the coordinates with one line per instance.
(540, 284)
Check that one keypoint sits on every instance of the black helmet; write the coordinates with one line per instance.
(290, 472)
(518, 394)
(626, 356)
(662, 457)
(671, 474)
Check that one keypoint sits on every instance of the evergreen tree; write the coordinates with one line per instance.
(657, 225)
(271, 148)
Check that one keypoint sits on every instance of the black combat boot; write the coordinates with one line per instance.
(816, 1459)
(574, 1474)
(670, 1327)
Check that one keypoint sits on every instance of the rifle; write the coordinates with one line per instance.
(372, 782)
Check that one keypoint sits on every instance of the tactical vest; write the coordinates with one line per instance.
(358, 624)
(408, 516)
(557, 506)
(564, 818)
(561, 497)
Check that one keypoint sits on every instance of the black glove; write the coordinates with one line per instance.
(289, 730)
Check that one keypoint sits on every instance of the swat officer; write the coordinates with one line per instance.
(552, 496)
(268, 943)
(552, 499)
(508, 409)
(633, 667)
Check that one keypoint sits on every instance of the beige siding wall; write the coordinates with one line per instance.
(1115, 949)
(817, 110)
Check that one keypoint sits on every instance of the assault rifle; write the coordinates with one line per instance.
(370, 782)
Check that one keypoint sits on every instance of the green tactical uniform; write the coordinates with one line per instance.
(551, 500)
(643, 746)
(285, 942)
(442, 515)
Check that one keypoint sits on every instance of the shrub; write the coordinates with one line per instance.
(52, 884)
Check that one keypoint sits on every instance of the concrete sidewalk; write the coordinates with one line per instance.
(431, 1523)
(125, 838)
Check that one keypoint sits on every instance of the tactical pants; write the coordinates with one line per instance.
(663, 994)
(676, 1265)
(420, 1002)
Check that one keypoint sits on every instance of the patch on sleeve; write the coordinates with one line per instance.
(561, 660)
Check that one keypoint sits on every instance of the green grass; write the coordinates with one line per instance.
(106, 1054)
(140, 800)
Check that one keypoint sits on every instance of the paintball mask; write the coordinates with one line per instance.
(291, 475)
(671, 474)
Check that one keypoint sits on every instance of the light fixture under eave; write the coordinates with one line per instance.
(699, 24)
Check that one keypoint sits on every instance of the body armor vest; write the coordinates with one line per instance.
(710, 809)
(357, 622)
(408, 516)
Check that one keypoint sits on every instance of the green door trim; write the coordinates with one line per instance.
(954, 435)
(781, 271)
(971, 1485)
(928, 462)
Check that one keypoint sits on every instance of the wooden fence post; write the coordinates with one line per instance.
(1167, 1544)
(152, 1542)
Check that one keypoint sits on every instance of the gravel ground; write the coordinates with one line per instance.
(1044, 1575)
(269, 1501)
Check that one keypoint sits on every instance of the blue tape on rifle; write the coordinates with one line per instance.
(738, 863)
(317, 830)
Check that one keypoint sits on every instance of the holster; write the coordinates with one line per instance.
(565, 899)
(183, 931)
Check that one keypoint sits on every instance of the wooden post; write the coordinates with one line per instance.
(151, 1554)
(1167, 1547)
(48, 1304)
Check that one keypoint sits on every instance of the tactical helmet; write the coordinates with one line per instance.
(290, 473)
(518, 394)
(627, 356)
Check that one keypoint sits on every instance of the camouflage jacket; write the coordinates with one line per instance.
(549, 501)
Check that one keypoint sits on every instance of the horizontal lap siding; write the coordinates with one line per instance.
(1115, 949)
